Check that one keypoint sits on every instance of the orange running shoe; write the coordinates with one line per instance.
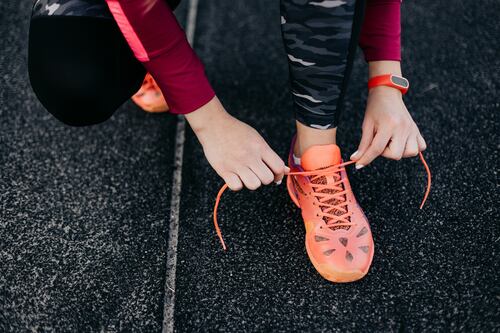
(338, 237)
(149, 97)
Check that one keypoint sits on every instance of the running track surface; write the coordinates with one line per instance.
(85, 212)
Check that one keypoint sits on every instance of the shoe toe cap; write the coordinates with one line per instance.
(341, 259)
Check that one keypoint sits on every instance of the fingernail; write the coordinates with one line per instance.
(279, 182)
(287, 169)
(359, 166)
(354, 154)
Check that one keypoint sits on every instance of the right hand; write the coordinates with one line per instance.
(235, 150)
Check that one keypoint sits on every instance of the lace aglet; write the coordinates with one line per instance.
(224, 247)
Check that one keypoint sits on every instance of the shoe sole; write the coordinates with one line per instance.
(154, 110)
(325, 271)
(150, 108)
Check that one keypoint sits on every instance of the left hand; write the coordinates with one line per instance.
(388, 129)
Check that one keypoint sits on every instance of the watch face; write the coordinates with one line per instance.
(399, 81)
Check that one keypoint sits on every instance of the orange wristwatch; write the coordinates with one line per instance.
(390, 80)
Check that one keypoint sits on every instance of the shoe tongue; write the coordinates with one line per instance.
(320, 156)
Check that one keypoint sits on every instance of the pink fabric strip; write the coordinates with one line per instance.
(127, 30)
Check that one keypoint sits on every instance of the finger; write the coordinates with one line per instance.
(376, 148)
(262, 171)
(411, 148)
(422, 145)
(396, 147)
(275, 163)
(233, 181)
(250, 179)
(366, 140)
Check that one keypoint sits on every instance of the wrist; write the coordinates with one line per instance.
(376, 68)
(385, 91)
(207, 116)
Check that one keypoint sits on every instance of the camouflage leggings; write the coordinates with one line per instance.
(320, 39)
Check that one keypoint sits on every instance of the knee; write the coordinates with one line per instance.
(69, 75)
(76, 100)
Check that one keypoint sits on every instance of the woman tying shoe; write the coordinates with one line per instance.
(86, 73)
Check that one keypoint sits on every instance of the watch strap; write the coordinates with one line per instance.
(389, 80)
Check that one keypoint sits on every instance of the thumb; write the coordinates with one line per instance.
(366, 140)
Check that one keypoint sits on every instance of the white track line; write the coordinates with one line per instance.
(173, 232)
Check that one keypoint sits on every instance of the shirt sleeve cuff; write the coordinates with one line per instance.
(181, 77)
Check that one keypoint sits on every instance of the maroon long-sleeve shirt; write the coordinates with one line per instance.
(158, 41)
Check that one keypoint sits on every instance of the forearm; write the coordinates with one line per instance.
(376, 68)
(381, 67)
(381, 38)
(157, 40)
(207, 116)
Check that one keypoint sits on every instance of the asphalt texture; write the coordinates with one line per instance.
(84, 211)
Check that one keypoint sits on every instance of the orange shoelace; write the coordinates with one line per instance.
(332, 198)
(323, 198)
